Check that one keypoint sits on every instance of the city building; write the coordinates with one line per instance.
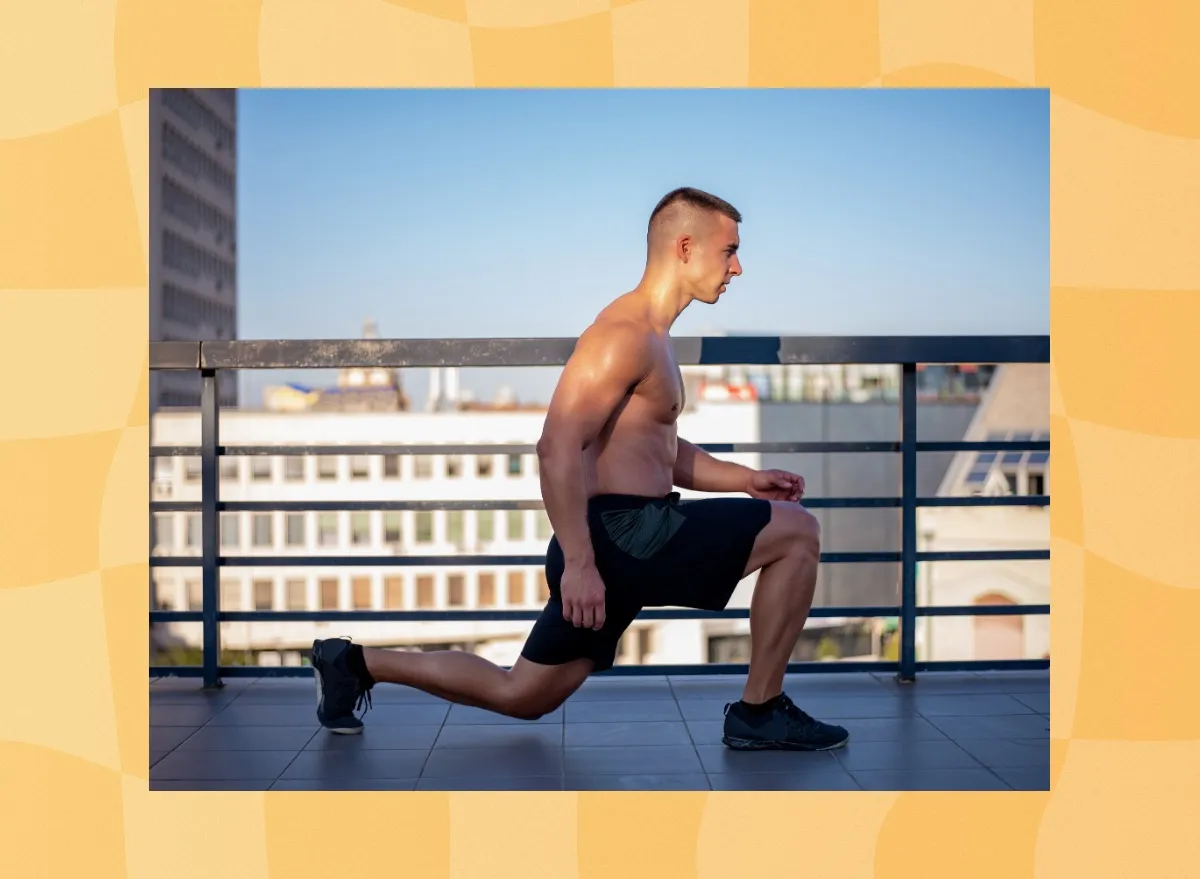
(1015, 408)
(193, 230)
(361, 478)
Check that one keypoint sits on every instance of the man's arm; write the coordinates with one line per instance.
(608, 360)
(697, 470)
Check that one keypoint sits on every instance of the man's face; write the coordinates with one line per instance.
(714, 262)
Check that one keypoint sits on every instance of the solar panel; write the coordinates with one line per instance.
(1039, 458)
(1012, 458)
(976, 476)
(986, 457)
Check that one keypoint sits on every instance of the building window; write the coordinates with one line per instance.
(645, 640)
(327, 529)
(263, 597)
(514, 465)
(262, 529)
(360, 529)
(194, 531)
(455, 586)
(260, 469)
(391, 466)
(454, 527)
(487, 590)
(542, 586)
(191, 469)
(393, 534)
(483, 466)
(424, 526)
(393, 593)
(425, 591)
(295, 529)
(293, 468)
(231, 531)
(516, 588)
(485, 525)
(1037, 483)
(164, 531)
(229, 469)
(360, 587)
(516, 524)
(543, 525)
(423, 466)
(195, 595)
(453, 466)
(231, 594)
(329, 594)
(327, 468)
(297, 595)
(360, 467)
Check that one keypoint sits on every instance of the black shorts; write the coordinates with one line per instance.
(650, 552)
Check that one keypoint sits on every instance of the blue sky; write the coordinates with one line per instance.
(481, 213)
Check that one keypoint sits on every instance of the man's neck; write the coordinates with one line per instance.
(663, 298)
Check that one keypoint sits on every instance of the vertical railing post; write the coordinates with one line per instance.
(209, 525)
(908, 524)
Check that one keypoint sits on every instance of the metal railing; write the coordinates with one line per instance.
(212, 358)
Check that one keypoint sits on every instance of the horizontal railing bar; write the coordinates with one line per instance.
(413, 616)
(429, 561)
(990, 555)
(420, 506)
(835, 667)
(984, 610)
(984, 446)
(688, 350)
(778, 448)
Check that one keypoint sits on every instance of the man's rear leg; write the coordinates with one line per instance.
(528, 690)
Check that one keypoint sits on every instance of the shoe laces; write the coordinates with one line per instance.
(796, 717)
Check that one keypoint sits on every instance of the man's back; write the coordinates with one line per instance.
(635, 450)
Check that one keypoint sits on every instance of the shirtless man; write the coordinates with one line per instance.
(623, 540)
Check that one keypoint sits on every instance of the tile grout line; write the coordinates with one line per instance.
(562, 748)
(189, 737)
(284, 770)
(989, 769)
(429, 753)
(691, 738)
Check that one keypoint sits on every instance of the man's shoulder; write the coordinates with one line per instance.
(618, 330)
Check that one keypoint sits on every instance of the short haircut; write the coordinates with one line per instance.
(695, 198)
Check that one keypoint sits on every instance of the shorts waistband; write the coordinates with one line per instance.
(630, 501)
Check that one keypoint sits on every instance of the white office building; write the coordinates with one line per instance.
(437, 477)
(1014, 408)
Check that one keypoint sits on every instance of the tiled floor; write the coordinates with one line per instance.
(948, 732)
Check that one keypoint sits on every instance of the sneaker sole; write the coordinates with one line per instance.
(764, 745)
(340, 730)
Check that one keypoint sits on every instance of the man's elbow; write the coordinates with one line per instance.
(551, 446)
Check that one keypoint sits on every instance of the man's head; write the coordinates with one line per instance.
(695, 235)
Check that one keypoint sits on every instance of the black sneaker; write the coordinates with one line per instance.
(339, 690)
(784, 727)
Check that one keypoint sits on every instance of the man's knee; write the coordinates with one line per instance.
(803, 528)
(526, 702)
